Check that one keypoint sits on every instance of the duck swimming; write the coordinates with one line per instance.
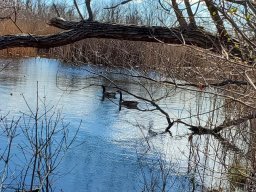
(107, 94)
(127, 104)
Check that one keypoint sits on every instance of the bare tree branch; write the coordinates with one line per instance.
(115, 6)
(190, 13)
(56, 10)
(89, 10)
(217, 19)
(76, 31)
(179, 14)
(79, 12)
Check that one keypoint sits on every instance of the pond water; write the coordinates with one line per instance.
(113, 150)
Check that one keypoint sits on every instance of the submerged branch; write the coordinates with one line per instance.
(201, 86)
(234, 122)
(199, 130)
(228, 145)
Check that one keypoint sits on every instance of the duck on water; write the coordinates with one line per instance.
(107, 94)
(127, 104)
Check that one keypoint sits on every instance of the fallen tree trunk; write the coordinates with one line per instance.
(76, 31)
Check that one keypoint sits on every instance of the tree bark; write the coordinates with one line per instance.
(76, 31)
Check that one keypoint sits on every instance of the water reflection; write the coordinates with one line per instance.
(117, 152)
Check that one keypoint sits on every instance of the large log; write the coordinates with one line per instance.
(76, 31)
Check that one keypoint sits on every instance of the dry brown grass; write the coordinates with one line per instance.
(110, 52)
(31, 26)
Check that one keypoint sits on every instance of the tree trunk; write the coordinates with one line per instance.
(217, 20)
(179, 14)
(76, 31)
(192, 21)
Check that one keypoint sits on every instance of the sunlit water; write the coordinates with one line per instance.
(111, 153)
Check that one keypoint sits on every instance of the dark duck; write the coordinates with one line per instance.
(107, 94)
(127, 104)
